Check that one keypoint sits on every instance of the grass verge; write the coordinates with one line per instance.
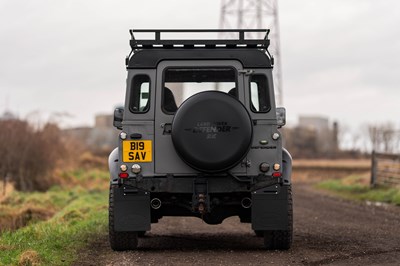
(78, 215)
(357, 187)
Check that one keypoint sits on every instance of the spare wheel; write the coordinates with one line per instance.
(212, 131)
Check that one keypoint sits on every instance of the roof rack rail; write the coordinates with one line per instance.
(158, 42)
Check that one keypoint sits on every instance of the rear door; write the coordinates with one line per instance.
(138, 121)
(259, 94)
(167, 161)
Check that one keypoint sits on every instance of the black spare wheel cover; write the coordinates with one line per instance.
(212, 131)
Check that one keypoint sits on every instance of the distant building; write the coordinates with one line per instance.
(314, 136)
(103, 136)
(7, 115)
(103, 121)
(316, 123)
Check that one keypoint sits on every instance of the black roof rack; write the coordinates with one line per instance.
(159, 42)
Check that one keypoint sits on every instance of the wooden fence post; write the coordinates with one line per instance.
(373, 168)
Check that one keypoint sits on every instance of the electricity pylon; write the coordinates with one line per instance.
(256, 14)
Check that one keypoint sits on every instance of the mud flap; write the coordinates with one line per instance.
(270, 208)
(131, 210)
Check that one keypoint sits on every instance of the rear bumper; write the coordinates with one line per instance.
(268, 209)
(223, 184)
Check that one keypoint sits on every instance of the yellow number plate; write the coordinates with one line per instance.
(136, 151)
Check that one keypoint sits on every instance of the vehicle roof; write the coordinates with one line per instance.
(250, 58)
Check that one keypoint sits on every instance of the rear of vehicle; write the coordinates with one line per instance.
(200, 138)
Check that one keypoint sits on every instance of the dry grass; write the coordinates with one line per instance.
(87, 178)
(15, 217)
(363, 164)
(317, 170)
(29, 257)
(5, 192)
(88, 160)
(6, 247)
(362, 180)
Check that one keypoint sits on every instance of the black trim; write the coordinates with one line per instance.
(132, 83)
(252, 108)
(136, 136)
(249, 58)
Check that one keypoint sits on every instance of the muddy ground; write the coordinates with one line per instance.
(327, 231)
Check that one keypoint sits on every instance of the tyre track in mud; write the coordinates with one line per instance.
(327, 231)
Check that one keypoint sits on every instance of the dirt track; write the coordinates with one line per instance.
(327, 230)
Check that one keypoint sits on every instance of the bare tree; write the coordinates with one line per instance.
(27, 155)
(383, 137)
(388, 137)
(374, 136)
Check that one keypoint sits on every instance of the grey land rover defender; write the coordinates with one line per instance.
(199, 137)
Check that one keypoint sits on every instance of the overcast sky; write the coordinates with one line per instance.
(340, 58)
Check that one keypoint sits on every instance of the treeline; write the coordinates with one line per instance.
(28, 155)
(384, 137)
(341, 142)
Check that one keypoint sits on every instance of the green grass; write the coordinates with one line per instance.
(356, 187)
(55, 198)
(80, 215)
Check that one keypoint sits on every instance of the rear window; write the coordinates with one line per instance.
(181, 83)
(259, 95)
(140, 94)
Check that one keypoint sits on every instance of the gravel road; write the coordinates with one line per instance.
(327, 231)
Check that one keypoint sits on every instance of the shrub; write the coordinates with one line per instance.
(28, 156)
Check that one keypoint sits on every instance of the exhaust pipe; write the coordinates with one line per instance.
(155, 203)
(246, 203)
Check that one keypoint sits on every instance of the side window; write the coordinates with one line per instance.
(259, 94)
(140, 94)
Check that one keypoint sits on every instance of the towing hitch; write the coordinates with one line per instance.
(200, 198)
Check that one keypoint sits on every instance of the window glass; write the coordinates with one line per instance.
(181, 83)
(140, 94)
(259, 95)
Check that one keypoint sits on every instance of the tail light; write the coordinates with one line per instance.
(123, 175)
(276, 174)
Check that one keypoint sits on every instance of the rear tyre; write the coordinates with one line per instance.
(119, 241)
(281, 239)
